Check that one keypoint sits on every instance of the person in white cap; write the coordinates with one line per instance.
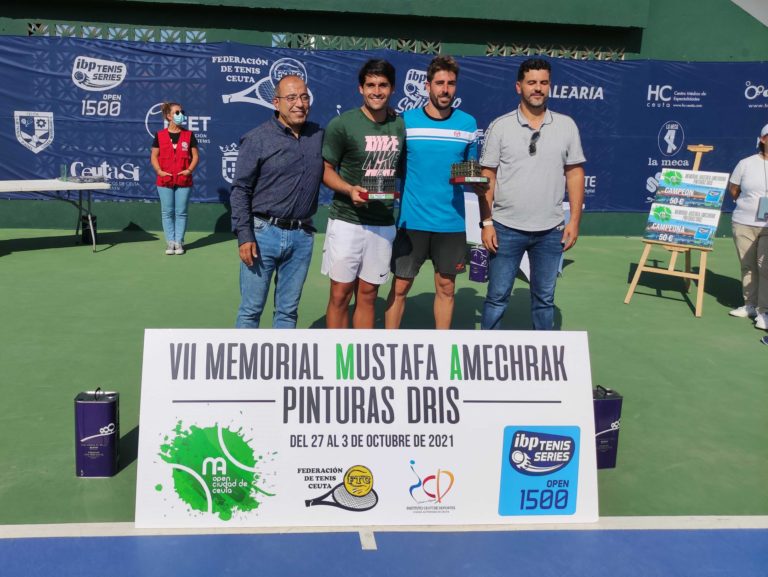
(749, 188)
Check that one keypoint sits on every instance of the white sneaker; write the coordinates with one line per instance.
(170, 248)
(179, 248)
(744, 312)
(761, 321)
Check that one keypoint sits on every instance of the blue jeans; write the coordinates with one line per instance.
(287, 254)
(173, 208)
(544, 251)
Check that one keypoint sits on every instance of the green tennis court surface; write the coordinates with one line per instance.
(694, 427)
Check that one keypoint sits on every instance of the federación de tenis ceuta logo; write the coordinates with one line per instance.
(355, 493)
(34, 129)
(263, 91)
(539, 471)
(215, 470)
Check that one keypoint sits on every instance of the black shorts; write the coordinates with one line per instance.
(447, 250)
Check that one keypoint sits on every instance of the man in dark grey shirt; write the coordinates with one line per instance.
(273, 198)
(531, 155)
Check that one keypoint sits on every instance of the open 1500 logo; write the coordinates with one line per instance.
(97, 75)
(540, 471)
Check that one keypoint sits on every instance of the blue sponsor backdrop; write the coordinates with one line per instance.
(91, 108)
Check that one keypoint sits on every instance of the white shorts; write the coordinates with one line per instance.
(354, 251)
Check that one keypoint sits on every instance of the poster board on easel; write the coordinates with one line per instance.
(684, 217)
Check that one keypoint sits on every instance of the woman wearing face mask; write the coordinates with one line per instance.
(749, 188)
(174, 157)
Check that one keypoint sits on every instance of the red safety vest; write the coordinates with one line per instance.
(174, 160)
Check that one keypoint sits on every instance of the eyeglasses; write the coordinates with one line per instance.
(175, 112)
(291, 98)
(532, 144)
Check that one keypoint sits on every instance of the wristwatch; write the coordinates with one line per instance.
(486, 222)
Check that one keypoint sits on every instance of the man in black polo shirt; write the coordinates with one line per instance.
(274, 195)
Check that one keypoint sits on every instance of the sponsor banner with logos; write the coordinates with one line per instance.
(93, 107)
(270, 428)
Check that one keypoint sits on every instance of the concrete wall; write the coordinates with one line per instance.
(658, 29)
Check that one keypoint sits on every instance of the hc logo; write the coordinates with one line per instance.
(659, 92)
(218, 465)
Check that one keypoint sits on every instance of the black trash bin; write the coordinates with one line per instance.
(89, 234)
(607, 404)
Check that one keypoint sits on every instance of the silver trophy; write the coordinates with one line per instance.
(379, 188)
(467, 172)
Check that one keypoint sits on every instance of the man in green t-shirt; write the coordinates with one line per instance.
(363, 142)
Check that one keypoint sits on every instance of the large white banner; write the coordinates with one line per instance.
(277, 428)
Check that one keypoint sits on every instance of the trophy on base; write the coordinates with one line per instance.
(467, 172)
(379, 188)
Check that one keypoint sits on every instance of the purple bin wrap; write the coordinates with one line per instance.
(478, 264)
(607, 405)
(97, 433)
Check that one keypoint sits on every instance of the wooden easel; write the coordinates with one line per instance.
(676, 249)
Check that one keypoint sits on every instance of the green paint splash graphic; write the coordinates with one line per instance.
(214, 470)
(662, 213)
(673, 177)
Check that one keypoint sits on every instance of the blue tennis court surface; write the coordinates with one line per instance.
(619, 553)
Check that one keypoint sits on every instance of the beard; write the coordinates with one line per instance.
(436, 103)
(534, 105)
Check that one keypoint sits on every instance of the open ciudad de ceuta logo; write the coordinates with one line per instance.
(215, 470)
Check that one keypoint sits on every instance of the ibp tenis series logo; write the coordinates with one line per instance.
(539, 453)
(539, 471)
(96, 75)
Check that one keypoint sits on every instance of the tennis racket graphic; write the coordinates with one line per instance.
(340, 497)
(263, 91)
(354, 493)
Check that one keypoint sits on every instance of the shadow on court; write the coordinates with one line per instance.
(104, 240)
(222, 230)
(129, 448)
(131, 233)
(468, 307)
(726, 290)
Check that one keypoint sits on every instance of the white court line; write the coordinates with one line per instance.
(368, 540)
(367, 533)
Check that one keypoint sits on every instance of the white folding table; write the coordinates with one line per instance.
(49, 186)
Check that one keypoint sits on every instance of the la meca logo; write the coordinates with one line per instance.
(534, 453)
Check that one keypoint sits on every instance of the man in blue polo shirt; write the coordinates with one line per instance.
(431, 221)
(274, 195)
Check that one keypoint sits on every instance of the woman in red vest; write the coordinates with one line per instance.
(174, 157)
